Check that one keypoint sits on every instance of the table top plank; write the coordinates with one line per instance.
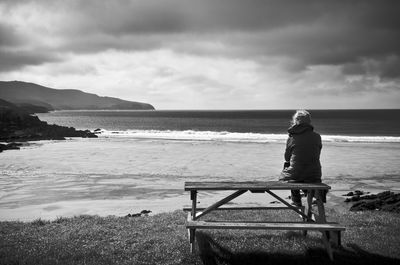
(252, 185)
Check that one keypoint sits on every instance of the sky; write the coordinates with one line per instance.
(209, 54)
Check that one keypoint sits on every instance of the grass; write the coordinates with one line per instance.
(371, 238)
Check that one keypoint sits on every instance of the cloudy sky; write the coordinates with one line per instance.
(209, 54)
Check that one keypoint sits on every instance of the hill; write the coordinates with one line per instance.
(30, 94)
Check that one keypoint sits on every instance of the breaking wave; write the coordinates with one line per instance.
(224, 136)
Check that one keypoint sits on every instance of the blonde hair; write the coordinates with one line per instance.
(301, 116)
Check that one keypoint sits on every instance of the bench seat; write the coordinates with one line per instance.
(265, 225)
(251, 208)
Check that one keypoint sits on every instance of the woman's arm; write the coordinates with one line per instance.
(288, 150)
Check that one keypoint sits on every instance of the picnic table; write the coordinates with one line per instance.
(311, 221)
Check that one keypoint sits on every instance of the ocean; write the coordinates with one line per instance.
(378, 123)
(142, 158)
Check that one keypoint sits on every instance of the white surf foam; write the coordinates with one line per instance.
(236, 137)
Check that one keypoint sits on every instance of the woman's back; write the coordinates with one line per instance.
(303, 150)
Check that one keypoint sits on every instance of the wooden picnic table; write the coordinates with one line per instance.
(310, 220)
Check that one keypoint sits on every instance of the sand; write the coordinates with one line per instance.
(114, 176)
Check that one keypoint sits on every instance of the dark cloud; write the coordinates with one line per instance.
(335, 46)
(308, 32)
(15, 53)
(387, 67)
(186, 16)
(178, 16)
(313, 32)
(99, 42)
(8, 37)
(10, 60)
(390, 67)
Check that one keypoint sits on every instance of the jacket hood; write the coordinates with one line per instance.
(300, 128)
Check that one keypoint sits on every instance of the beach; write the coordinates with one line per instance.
(118, 175)
(141, 160)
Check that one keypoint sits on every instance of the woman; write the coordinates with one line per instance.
(302, 153)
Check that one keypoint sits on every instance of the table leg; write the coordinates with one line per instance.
(333, 236)
(303, 209)
(192, 232)
(310, 195)
(193, 197)
(321, 207)
(322, 219)
(192, 236)
(337, 238)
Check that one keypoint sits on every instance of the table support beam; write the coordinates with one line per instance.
(288, 205)
(219, 203)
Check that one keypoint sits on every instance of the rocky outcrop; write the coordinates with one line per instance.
(384, 201)
(142, 213)
(10, 146)
(18, 125)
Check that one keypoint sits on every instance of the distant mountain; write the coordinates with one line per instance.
(25, 107)
(5, 104)
(30, 94)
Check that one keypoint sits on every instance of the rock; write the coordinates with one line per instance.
(145, 212)
(384, 201)
(395, 207)
(370, 197)
(134, 215)
(384, 195)
(356, 192)
(363, 205)
(353, 198)
(10, 146)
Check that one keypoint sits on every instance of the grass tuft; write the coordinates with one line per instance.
(40, 222)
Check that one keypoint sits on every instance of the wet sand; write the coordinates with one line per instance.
(111, 176)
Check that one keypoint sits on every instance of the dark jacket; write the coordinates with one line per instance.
(303, 150)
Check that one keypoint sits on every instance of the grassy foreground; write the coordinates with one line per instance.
(371, 238)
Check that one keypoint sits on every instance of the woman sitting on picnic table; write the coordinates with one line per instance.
(302, 153)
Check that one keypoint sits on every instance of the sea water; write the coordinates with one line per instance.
(142, 159)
